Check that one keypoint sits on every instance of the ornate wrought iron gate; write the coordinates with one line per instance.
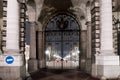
(62, 43)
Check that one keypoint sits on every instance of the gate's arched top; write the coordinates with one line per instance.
(62, 22)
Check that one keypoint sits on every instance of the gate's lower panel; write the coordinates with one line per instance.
(62, 64)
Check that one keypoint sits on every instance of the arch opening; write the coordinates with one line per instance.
(62, 42)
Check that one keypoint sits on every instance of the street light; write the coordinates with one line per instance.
(47, 52)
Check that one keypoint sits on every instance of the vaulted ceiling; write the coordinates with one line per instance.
(64, 5)
(48, 7)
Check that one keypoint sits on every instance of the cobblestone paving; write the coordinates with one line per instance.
(61, 75)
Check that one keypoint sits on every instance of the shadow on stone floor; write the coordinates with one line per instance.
(52, 74)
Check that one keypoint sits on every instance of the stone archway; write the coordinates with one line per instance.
(47, 10)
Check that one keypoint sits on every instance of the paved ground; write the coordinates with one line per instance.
(61, 75)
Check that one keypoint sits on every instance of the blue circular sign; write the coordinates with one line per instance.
(9, 59)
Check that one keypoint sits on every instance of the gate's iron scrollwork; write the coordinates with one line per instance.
(62, 42)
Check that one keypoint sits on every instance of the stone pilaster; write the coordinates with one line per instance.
(83, 49)
(32, 62)
(12, 65)
(88, 53)
(95, 29)
(106, 27)
(41, 54)
(12, 38)
(32, 40)
(106, 62)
